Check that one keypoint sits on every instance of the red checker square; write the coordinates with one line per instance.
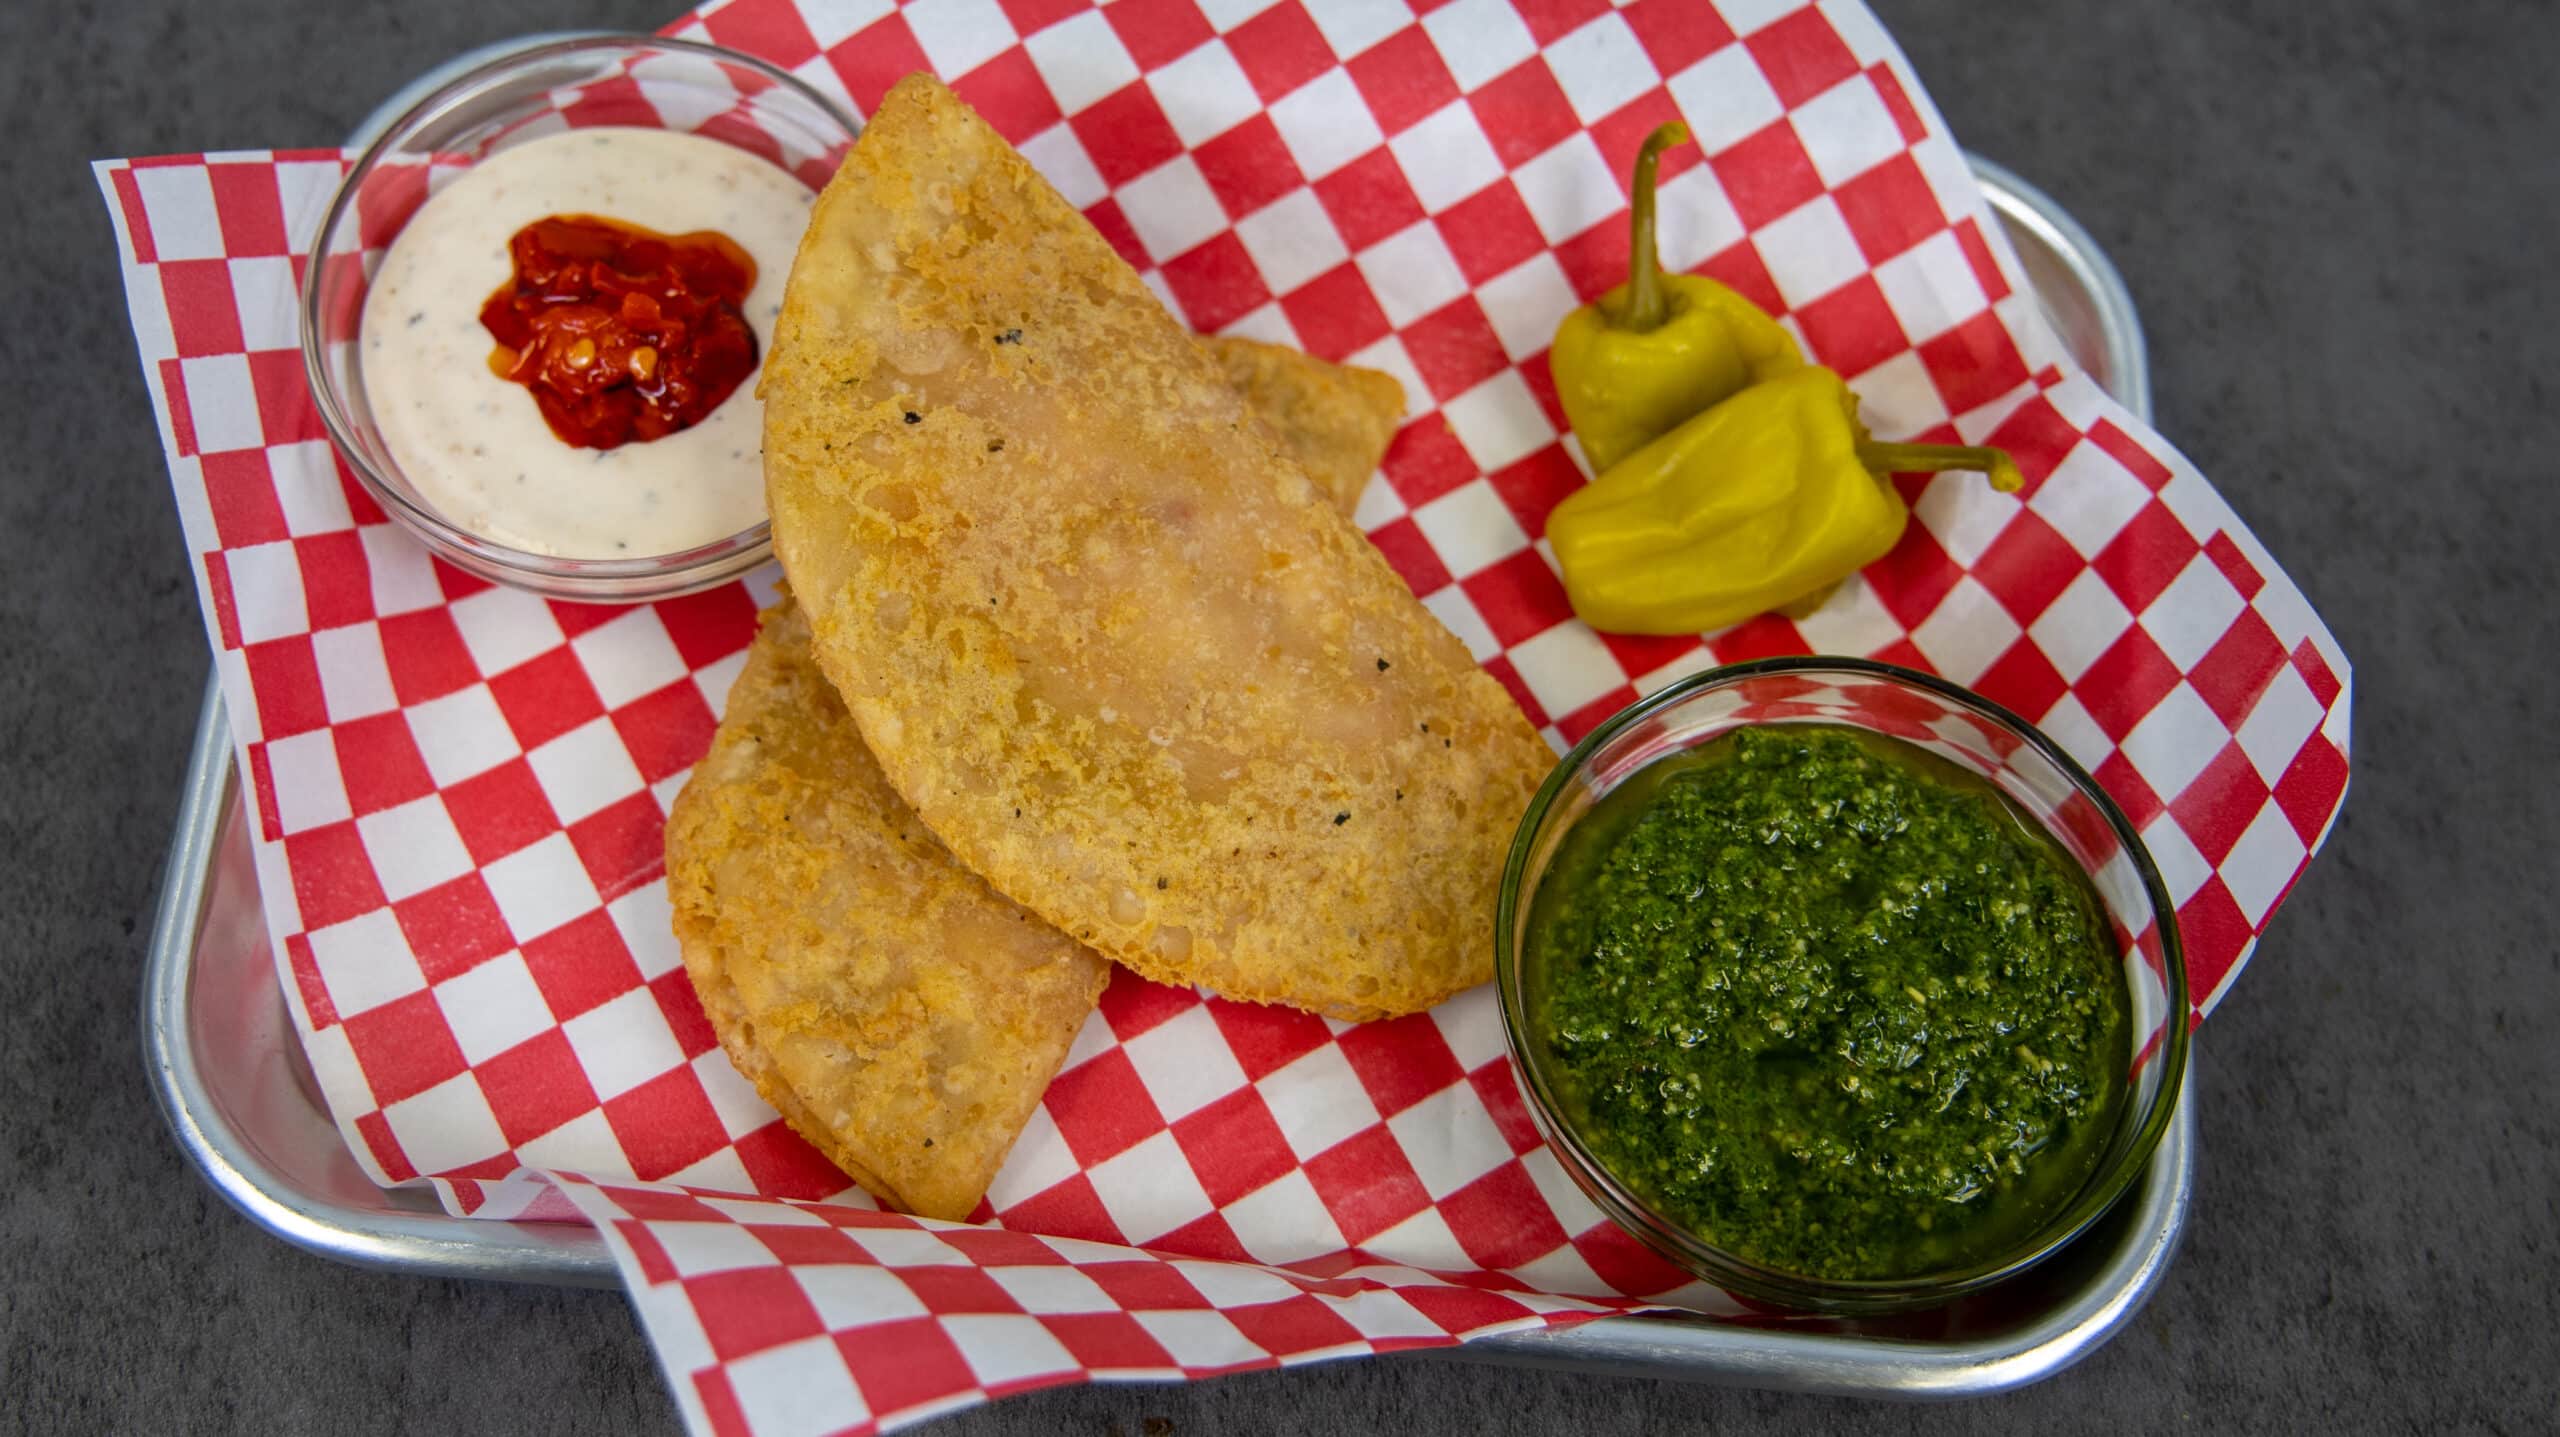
(769, 29)
(453, 927)
(2027, 567)
(242, 495)
(1335, 314)
(1107, 1342)
(1501, 1220)
(1532, 488)
(876, 58)
(1216, 282)
(1126, 134)
(1500, 667)
(710, 626)
(1208, 1236)
(1897, 102)
(1539, 376)
(404, 1047)
(581, 964)
(948, 1290)
(1101, 1107)
(1368, 199)
(1768, 636)
(901, 1364)
(1030, 17)
(1853, 329)
(2219, 804)
(1739, 268)
(1234, 1146)
(1159, 32)
(618, 100)
(1401, 1061)
(996, 1247)
(203, 317)
(719, 1397)
(137, 217)
(2311, 787)
(1132, 1005)
(535, 1086)
(2132, 793)
(1677, 33)
(622, 845)
(333, 880)
(182, 421)
(1265, 1040)
(1977, 253)
(576, 619)
(1622, 133)
(1366, 1184)
(499, 811)
(1974, 363)
(307, 981)
(666, 1124)
(1498, 1086)
(1595, 261)
(286, 414)
(337, 580)
(1524, 113)
(285, 679)
(1625, 1264)
(750, 1309)
(426, 656)
(1454, 348)
(379, 762)
(1461, 1310)
(1913, 577)
(1412, 555)
(249, 208)
(1766, 174)
(1403, 78)
(1579, 723)
(546, 696)
(2214, 933)
(1279, 50)
(2315, 672)
(1491, 232)
(1890, 208)
(809, 1246)
(1426, 461)
(1106, 216)
(2023, 680)
(1010, 94)
(782, 1164)
(1643, 653)
(2126, 683)
(652, 1205)
(1068, 1209)
(2146, 556)
(1292, 1326)
(2037, 437)
(2238, 668)
(1801, 56)
(1248, 167)
(2235, 566)
(682, 1008)
(1552, 20)
(668, 731)
(376, 1132)
(2128, 451)
(1519, 597)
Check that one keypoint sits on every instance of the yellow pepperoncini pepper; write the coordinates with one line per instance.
(1772, 495)
(1659, 348)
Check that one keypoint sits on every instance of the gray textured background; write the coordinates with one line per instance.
(2338, 220)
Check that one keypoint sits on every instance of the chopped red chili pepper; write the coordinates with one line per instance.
(619, 332)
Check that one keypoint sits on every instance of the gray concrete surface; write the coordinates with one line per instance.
(2338, 220)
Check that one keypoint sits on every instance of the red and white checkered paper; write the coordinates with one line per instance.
(459, 789)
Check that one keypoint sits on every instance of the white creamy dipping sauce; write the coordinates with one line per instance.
(473, 444)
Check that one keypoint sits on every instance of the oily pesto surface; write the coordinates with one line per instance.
(1829, 1003)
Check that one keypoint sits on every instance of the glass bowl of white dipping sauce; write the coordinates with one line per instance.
(646, 135)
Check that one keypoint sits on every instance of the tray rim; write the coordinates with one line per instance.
(430, 1243)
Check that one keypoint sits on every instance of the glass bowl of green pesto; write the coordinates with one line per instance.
(1839, 985)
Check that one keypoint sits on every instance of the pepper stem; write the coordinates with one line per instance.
(1934, 458)
(1647, 304)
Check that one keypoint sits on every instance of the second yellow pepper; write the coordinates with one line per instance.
(1771, 495)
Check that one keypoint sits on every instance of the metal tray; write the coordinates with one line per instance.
(232, 1081)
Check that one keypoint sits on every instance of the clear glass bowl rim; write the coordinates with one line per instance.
(1738, 1274)
(615, 580)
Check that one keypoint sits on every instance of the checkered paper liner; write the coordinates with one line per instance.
(458, 789)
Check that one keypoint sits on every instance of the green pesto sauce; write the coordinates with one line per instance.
(1830, 1003)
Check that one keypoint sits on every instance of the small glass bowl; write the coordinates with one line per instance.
(626, 80)
(1956, 725)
